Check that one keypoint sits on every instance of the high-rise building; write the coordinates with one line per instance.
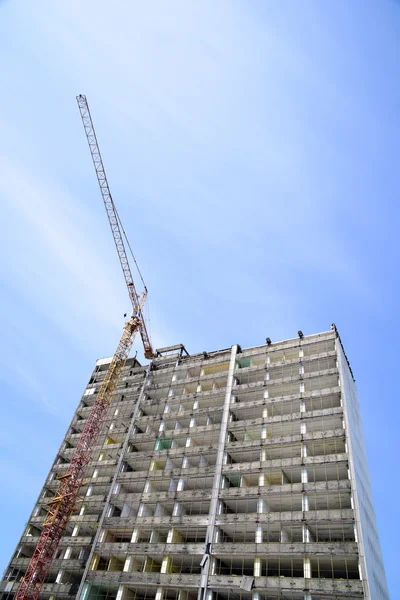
(238, 474)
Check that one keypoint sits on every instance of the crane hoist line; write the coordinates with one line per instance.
(65, 500)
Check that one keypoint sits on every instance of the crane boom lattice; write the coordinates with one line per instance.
(114, 220)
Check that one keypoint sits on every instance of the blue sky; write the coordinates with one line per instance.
(252, 151)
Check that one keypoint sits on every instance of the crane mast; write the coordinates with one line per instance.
(64, 502)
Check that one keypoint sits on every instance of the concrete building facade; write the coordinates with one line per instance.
(238, 474)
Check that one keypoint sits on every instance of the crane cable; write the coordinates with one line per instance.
(146, 317)
(129, 246)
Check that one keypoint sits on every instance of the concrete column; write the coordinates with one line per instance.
(166, 564)
(75, 531)
(59, 576)
(307, 567)
(178, 510)
(307, 535)
(259, 534)
(257, 566)
(159, 593)
(262, 506)
(217, 535)
(214, 504)
(284, 536)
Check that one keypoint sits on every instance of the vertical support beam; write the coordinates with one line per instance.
(205, 564)
(79, 594)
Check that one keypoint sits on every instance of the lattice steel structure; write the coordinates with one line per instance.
(238, 474)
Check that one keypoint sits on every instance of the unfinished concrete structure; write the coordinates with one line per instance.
(235, 474)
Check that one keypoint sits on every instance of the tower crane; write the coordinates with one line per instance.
(63, 503)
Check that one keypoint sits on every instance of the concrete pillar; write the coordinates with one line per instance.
(154, 536)
(262, 506)
(102, 535)
(307, 535)
(128, 563)
(159, 593)
(307, 567)
(213, 566)
(243, 481)
(214, 504)
(166, 565)
(257, 566)
(220, 508)
(284, 536)
(217, 535)
(305, 502)
(203, 462)
(259, 534)
(174, 536)
(59, 576)
(178, 510)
